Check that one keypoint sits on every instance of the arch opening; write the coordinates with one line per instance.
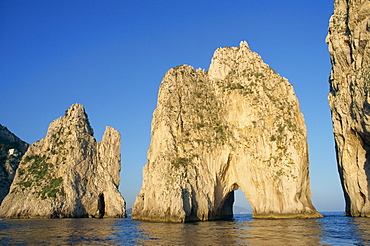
(235, 203)
(241, 204)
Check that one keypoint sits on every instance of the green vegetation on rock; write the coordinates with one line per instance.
(37, 174)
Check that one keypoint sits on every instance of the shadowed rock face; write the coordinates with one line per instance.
(349, 47)
(68, 174)
(237, 126)
(11, 151)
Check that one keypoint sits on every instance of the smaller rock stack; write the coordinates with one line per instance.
(68, 174)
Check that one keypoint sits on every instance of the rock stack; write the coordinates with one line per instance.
(237, 126)
(68, 174)
(349, 100)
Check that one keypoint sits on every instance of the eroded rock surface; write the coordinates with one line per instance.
(237, 126)
(11, 151)
(349, 99)
(68, 174)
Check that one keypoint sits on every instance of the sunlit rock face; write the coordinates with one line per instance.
(349, 99)
(11, 151)
(237, 126)
(68, 174)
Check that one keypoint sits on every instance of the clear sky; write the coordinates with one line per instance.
(111, 56)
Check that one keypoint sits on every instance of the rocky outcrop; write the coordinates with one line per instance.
(349, 100)
(68, 174)
(11, 151)
(237, 126)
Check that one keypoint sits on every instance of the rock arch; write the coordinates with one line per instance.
(236, 126)
(227, 202)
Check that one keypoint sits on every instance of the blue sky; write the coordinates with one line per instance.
(111, 56)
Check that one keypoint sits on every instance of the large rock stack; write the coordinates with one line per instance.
(349, 99)
(237, 126)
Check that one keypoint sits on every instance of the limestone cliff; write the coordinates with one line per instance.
(349, 99)
(68, 174)
(237, 126)
(11, 151)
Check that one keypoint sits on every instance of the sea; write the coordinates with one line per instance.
(333, 229)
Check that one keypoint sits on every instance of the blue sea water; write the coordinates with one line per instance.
(333, 229)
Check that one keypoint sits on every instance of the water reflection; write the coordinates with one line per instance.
(57, 231)
(202, 233)
(333, 229)
(341, 230)
(242, 230)
(283, 232)
(362, 226)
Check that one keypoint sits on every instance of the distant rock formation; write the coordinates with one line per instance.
(349, 100)
(68, 174)
(237, 126)
(11, 151)
(240, 210)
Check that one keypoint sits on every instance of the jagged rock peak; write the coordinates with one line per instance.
(76, 114)
(228, 60)
(75, 111)
(11, 151)
(237, 126)
(349, 46)
(68, 174)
